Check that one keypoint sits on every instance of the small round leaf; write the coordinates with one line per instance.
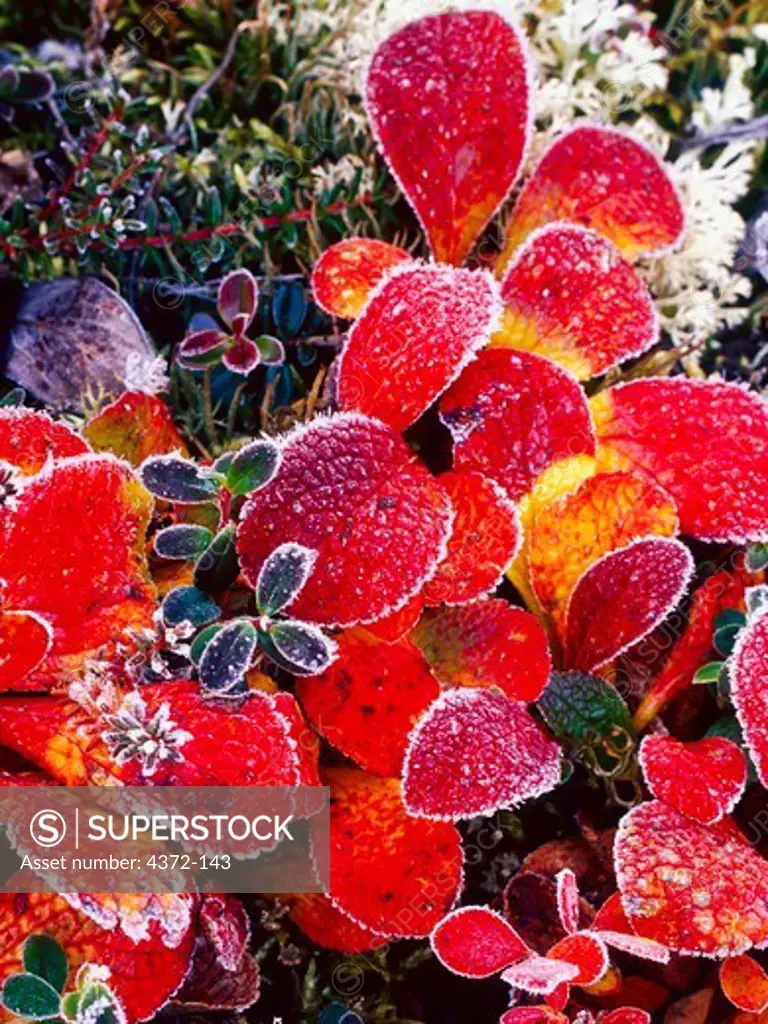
(173, 478)
(227, 656)
(300, 648)
(188, 604)
(185, 540)
(282, 576)
(29, 996)
(218, 567)
(45, 958)
(253, 467)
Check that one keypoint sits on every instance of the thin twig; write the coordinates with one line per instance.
(199, 95)
(757, 128)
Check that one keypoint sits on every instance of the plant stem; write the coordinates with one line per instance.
(208, 420)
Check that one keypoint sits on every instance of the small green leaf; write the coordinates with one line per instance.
(202, 640)
(14, 398)
(218, 566)
(188, 604)
(253, 466)
(757, 557)
(29, 996)
(587, 712)
(70, 1005)
(100, 1005)
(298, 647)
(289, 307)
(44, 957)
(185, 541)
(709, 673)
(227, 656)
(173, 478)
(174, 220)
(282, 577)
(271, 350)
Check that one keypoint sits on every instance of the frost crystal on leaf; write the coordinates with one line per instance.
(151, 739)
(145, 374)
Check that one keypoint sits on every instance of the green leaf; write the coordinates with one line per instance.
(202, 640)
(174, 220)
(29, 996)
(218, 566)
(108, 1011)
(185, 540)
(70, 1005)
(298, 647)
(14, 398)
(709, 673)
(173, 478)
(227, 656)
(214, 207)
(253, 466)
(45, 958)
(289, 307)
(282, 577)
(188, 604)
(270, 349)
(587, 712)
(757, 557)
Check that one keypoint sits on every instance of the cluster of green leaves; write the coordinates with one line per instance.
(37, 991)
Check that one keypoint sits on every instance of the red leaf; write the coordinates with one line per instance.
(348, 488)
(572, 532)
(749, 690)
(540, 975)
(704, 780)
(327, 926)
(512, 414)
(368, 701)
(489, 643)
(143, 974)
(533, 1015)
(704, 442)
(346, 274)
(603, 179)
(134, 427)
(624, 1015)
(486, 537)
(391, 873)
(613, 927)
(570, 295)
(586, 952)
(697, 889)
(567, 900)
(72, 551)
(238, 299)
(476, 942)
(622, 597)
(234, 743)
(419, 328)
(394, 627)
(242, 356)
(28, 439)
(25, 640)
(467, 75)
(745, 984)
(474, 752)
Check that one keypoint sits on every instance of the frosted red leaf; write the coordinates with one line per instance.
(419, 328)
(622, 597)
(570, 295)
(603, 179)
(346, 274)
(704, 780)
(696, 889)
(143, 974)
(391, 873)
(624, 1015)
(533, 1015)
(90, 584)
(466, 75)
(749, 690)
(134, 427)
(613, 927)
(586, 952)
(488, 643)
(231, 743)
(572, 532)
(28, 439)
(329, 927)
(474, 752)
(486, 537)
(540, 975)
(476, 942)
(745, 983)
(717, 473)
(300, 733)
(25, 640)
(370, 698)
(350, 489)
(512, 414)
(567, 900)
